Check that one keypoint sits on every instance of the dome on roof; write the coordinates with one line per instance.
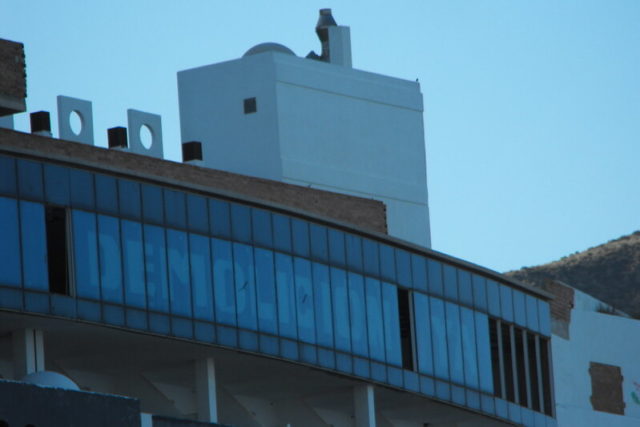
(268, 47)
(50, 379)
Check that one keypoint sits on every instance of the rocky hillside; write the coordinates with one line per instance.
(609, 272)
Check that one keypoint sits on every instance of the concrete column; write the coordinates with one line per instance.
(365, 407)
(28, 352)
(206, 390)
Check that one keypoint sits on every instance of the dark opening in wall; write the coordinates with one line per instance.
(533, 373)
(520, 367)
(606, 388)
(406, 333)
(250, 106)
(56, 220)
(495, 357)
(507, 356)
(546, 376)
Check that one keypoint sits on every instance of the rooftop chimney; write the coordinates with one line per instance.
(335, 39)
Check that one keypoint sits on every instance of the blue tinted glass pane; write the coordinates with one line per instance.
(7, 176)
(56, 184)
(156, 268)
(423, 333)
(532, 313)
(375, 324)
(152, 205)
(81, 187)
(450, 281)
(266, 291)
(9, 243)
(354, 252)
(106, 194)
(322, 301)
(427, 386)
(182, 327)
(300, 233)
(133, 263)
(336, 247)
(464, 287)
(519, 309)
(219, 218)
(435, 277)
(39, 303)
(200, 256)
(175, 208)
(85, 248)
(179, 289)
(261, 222)
(319, 242)
(344, 362)
(245, 286)
(129, 197)
(387, 263)
(197, 213)
(469, 347)
(360, 345)
(473, 399)
(286, 296)
(304, 301)
(544, 317)
(506, 302)
(308, 354)
(439, 339)
(403, 268)
(340, 297)
(419, 271)
(454, 343)
(30, 179)
(223, 287)
(457, 395)
(493, 297)
(241, 223)
(110, 260)
(281, 233)
(371, 257)
(479, 291)
(484, 352)
(391, 324)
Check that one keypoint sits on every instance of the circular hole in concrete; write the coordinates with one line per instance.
(75, 121)
(146, 136)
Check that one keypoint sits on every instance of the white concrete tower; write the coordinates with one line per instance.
(316, 122)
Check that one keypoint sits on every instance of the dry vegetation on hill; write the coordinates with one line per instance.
(609, 272)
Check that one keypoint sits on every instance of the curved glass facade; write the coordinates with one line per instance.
(173, 262)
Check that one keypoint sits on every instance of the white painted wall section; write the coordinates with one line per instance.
(602, 338)
(317, 124)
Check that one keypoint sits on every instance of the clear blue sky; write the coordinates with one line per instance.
(532, 108)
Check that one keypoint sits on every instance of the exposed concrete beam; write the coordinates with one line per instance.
(364, 405)
(206, 395)
(28, 352)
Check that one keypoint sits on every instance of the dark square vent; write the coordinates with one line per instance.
(250, 106)
(191, 151)
(118, 137)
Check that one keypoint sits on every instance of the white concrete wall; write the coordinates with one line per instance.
(211, 101)
(602, 338)
(321, 125)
